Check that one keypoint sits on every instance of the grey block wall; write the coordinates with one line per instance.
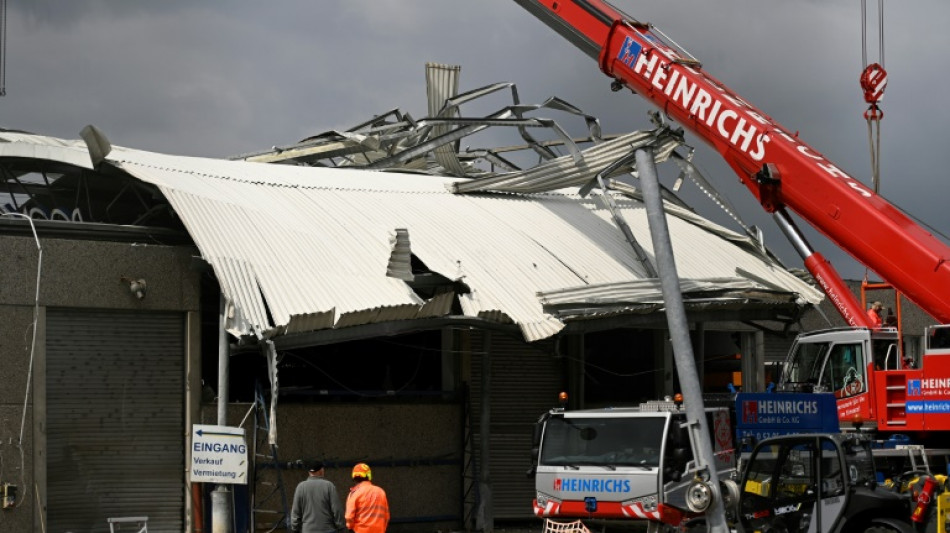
(76, 274)
(415, 451)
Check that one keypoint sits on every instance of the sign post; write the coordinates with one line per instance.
(218, 455)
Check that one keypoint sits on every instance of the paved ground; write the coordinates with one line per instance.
(592, 526)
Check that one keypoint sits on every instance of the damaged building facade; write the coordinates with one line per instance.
(376, 295)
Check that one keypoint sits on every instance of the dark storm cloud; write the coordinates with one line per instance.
(58, 13)
(202, 78)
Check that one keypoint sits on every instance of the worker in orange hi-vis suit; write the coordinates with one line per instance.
(874, 314)
(367, 509)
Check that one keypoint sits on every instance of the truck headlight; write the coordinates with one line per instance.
(544, 499)
(698, 496)
(648, 503)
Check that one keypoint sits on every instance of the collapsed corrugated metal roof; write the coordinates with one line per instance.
(317, 243)
(300, 247)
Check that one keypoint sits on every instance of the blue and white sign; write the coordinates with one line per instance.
(218, 455)
(762, 415)
(936, 407)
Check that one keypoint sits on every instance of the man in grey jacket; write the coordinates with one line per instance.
(317, 506)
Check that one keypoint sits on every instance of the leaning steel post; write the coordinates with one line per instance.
(679, 334)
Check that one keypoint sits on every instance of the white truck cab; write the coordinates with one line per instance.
(621, 463)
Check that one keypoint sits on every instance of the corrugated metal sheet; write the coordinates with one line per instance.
(30, 146)
(649, 291)
(442, 83)
(565, 171)
(304, 248)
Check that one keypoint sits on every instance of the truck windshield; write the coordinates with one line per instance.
(605, 442)
(804, 365)
(826, 367)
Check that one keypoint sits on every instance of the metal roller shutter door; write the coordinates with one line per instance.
(115, 415)
(776, 348)
(525, 380)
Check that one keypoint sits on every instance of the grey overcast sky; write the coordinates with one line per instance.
(223, 78)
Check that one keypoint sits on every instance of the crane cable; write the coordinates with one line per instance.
(873, 82)
(3, 47)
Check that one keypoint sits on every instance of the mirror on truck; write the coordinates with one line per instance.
(676, 464)
(536, 437)
(536, 444)
(534, 461)
(678, 454)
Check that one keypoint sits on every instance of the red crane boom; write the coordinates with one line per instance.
(778, 167)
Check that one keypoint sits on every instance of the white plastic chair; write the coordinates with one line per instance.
(140, 522)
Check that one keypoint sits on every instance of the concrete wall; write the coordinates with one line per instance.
(83, 274)
(415, 451)
(87, 274)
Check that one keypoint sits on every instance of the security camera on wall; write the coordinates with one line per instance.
(137, 287)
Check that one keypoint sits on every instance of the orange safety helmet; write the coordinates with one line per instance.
(361, 470)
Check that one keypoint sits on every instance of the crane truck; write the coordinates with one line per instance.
(862, 368)
(635, 464)
(626, 463)
(876, 386)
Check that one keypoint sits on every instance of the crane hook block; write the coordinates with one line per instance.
(873, 112)
(873, 82)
